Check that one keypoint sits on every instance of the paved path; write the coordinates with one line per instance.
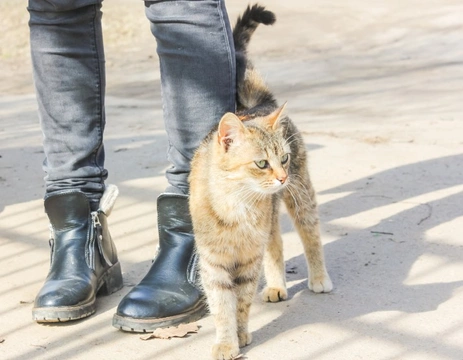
(377, 91)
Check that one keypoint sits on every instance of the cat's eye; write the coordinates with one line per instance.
(262, 164)
(284, 158)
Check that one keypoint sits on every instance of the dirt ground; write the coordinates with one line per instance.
(377, 90)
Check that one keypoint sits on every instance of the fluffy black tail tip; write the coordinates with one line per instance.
(260, 15)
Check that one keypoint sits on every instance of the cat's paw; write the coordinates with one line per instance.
(274, 294)
(319, 284)
(244, 338)
(225, 351)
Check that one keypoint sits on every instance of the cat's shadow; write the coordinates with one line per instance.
(371, 266)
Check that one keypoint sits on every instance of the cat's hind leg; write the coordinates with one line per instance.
(300, 201)
(274, 264)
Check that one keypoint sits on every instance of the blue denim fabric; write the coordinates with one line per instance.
(197, 60)
(195, 48)
(69, 76)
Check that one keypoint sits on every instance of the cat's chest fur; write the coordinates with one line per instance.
(242, 220)
(235, 209)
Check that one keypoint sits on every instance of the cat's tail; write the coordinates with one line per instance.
(248, 22)
(251, 88)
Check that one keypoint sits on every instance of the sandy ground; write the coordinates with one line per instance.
(377, 91)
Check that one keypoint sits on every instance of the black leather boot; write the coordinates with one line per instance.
(168, 294)
(83, 257)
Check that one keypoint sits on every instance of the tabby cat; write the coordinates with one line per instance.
(240, 173)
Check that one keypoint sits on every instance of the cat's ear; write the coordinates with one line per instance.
(231, 130)
(273, 119)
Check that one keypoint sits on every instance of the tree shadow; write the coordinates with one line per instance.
(370, 267)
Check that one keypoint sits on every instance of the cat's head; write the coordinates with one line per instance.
(255, 153)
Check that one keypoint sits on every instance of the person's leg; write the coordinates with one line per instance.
(197, 59)
(69, 76)
(68, 67)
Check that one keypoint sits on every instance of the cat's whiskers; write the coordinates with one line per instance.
(303, 184)
(249, 199)
(289, 138)
(300, 187)
(296, 204)
(247, 196)
(289, 144)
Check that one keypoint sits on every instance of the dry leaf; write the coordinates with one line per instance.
(174, 331)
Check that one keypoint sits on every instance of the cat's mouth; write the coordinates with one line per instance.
(275, 187)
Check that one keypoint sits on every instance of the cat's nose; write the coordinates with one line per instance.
(282, 179)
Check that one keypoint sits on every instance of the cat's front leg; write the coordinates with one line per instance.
(274, 267)
(222, 305)
(225, 351)
(246, 286)
(219, 289)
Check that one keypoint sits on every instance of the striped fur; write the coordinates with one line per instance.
(240, 173)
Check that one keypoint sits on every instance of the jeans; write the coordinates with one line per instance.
(197, 62)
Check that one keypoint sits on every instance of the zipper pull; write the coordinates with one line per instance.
(95, 219)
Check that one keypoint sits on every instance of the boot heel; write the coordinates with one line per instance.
(112, 280)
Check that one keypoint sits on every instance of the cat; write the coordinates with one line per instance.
(240, 173)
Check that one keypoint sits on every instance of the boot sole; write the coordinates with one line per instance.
(129, 324)
(111, 281)
(63, 314)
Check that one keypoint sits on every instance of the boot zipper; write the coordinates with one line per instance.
(98, 231)
(51, 243)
